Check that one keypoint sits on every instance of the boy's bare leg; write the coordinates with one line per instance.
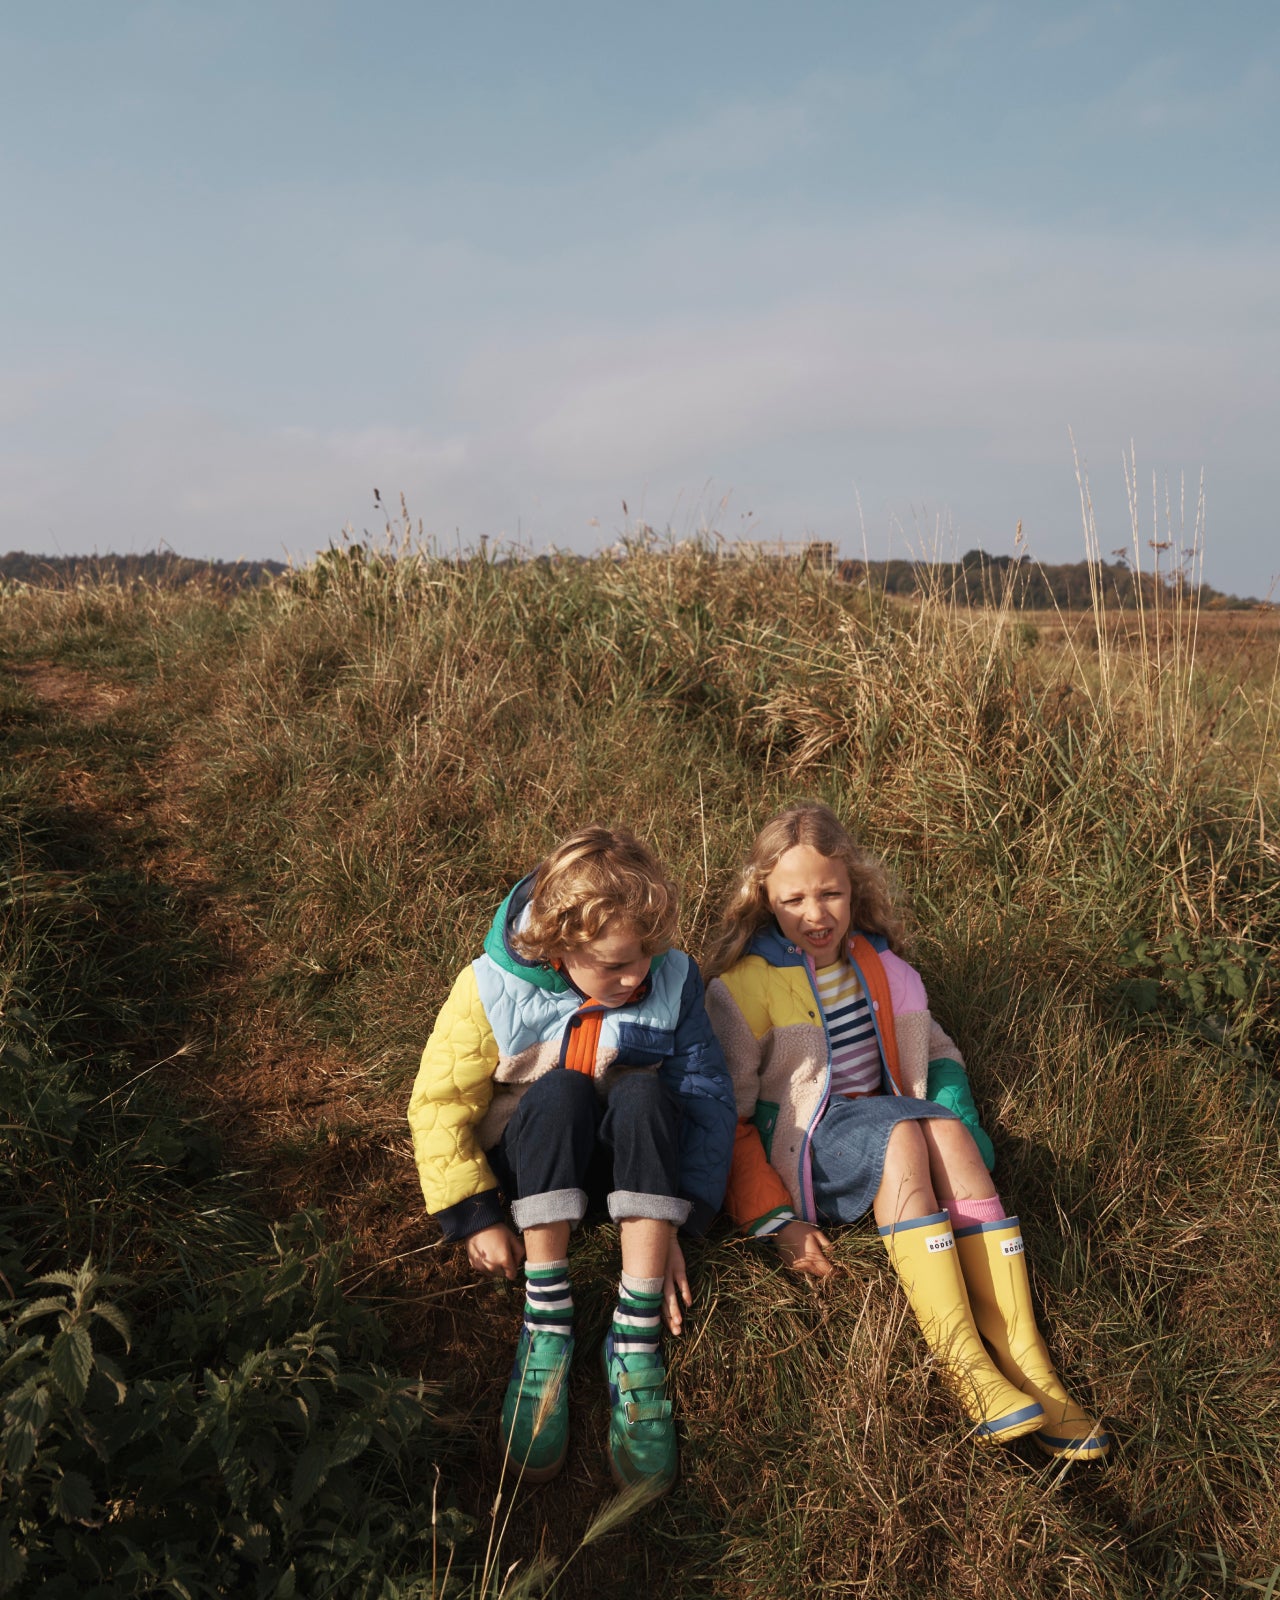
(646, 1243)
(547, 1241)
(906, 1191)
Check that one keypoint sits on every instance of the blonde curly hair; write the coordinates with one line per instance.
(872, 907)
(596, 877)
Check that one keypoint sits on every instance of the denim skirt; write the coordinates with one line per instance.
(848, 1149)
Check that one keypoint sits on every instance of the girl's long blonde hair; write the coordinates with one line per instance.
(872, 908)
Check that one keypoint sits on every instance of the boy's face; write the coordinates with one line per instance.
(609, 968)
(810, 896)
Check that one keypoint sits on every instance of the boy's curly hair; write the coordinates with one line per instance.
(872, 908)
(596, 877)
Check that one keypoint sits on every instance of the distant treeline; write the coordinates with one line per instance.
(977, 579)
(163, 568)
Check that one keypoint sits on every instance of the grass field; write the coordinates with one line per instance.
(250, 839)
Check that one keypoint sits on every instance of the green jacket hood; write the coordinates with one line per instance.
(497, 942)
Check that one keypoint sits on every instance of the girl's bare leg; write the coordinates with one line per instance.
(906, 1189)
(955, 1166)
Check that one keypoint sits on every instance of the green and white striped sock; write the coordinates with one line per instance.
(548, 1299)
(637, 1322)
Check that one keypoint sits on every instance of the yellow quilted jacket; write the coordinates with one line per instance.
(451, 1096)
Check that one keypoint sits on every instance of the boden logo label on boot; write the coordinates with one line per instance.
(1011, 1247)
(940, 1241)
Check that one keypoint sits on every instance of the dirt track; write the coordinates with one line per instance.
(291, 1112)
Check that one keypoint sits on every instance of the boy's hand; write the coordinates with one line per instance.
(675, 1286)
(804, 1248)
(496, 1250)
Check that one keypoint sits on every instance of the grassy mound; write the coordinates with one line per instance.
(262, 832)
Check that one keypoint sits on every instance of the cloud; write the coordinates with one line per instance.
(992, 331)
(735, 137)
(931, 362)
(1168, 93)
(1066, 29)
(208, 484)
(974, 23)
(28, 388)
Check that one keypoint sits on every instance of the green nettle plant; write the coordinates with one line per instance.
(47, 1439)
(1218, 986)
(258, 1459)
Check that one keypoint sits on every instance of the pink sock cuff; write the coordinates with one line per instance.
(967, 1213)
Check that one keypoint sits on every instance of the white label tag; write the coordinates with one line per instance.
(1011, 1247)
(940, 1241)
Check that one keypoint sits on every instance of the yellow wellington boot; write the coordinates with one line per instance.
(923, 1252)
(994, 1264)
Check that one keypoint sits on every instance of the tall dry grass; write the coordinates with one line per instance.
(369, 753)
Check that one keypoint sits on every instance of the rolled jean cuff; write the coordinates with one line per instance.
(556, 1205)
(625, 1204)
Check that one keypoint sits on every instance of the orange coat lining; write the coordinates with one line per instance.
(584, 1042)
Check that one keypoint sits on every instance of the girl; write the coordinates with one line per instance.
(829, 1040)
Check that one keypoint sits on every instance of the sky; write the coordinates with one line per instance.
(880, 274)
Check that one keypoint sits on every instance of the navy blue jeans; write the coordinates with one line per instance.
(566, 1144)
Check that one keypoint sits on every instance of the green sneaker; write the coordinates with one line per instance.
(535, 1408)
(642, 1435)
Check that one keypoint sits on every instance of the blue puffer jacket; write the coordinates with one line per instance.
(508, 1021)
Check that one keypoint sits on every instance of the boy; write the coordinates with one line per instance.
(577, 1049)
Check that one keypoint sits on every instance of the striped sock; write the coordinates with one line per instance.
(637, 1322)
(548, 1299)
(968, 1213)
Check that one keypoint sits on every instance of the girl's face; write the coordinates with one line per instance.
(609, 968)
(810, 895)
